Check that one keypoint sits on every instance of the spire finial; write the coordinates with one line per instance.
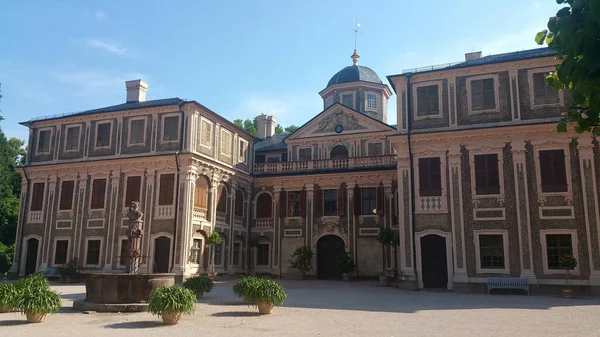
(355, 58)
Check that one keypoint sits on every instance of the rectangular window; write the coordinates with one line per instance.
(293, 199)
(206, 133)
(166, 189)
(262, 254)
(330, 203)
(375, 149)
(430, 177)
(98, 194)
(284, 156)
(134, 185)
(428, 102)
(123, 256)
(137, 132)
(72, 141)
(328, 101)
(273, 159)
(218, 252)
(236, 253)
(225, 143)
(37, 196)
(371, 102)
(348, 100)
(44, 139)
(66, 195)
(553, 171)
(544, 93)
(369, 201)
(195, 257)
(201, 195)
(60, 252)
(170, 129)
(482, 95)
(487, 177)
(92, 256)
(243, 150)
(491, 250)
(260, 158)
(557, 245)
(305, 154)
(103, 134)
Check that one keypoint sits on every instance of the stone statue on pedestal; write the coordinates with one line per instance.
(134, 236)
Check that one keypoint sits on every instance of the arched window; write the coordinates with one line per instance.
(239, 203)
(222, 199)
(264, 206)
(201, 193)
(339, 151)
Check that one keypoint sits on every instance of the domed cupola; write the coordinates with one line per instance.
(359, 88)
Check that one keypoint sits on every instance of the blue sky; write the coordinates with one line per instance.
(238, 58)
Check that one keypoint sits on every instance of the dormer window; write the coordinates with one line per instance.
(371, 102)
(347, 99)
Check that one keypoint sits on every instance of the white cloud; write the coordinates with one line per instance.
(87, 83)
(100, 15)
(108, 47)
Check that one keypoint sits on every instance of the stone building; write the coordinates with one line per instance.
(474, 179)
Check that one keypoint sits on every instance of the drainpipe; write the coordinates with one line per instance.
(176, 217)
(412, 179)
(19, 248)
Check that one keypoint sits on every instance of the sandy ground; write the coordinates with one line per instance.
(316, 308)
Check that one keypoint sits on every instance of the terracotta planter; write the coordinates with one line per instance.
(211, 275)
(244, 300)
(199, 295)
(566, 292)
(4, 309)
(384, 281)
(265, 308)
(171, 318)
(35, 317)
(346, 277)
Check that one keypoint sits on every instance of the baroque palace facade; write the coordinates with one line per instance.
(475, 180)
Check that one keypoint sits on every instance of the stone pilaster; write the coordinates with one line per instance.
(276, 225)
(48, 215)
(351, 218)
(388, 218)
(147, 204)
(456, 213)
(188, 179)
(404, 214)
(585, 148)
(111, 220)
(522, 202)
(232, 206)
(82, 209)
(309, 216)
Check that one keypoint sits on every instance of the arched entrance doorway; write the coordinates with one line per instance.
(162, 250)
(329, 248)
(434, 267)
(338, 152)
(31, 257)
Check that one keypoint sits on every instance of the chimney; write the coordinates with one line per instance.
(136, 91)
(472, 56)
(266, 126)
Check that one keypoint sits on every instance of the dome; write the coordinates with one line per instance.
(355, 73)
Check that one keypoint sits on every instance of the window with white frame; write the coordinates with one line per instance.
(541, 93)
(330, 200)
(491, 251)
(293, 203)
(328, 101)
(482, 94)
(430, 177)
(348, 100)
(37, 197)
(61, 251)
(243, 151)
(305, 154)
(103, 135)
(196, 249)
(557, 243)
(375, 149)
(371, 102)
(206, 137)
(166, 189)
(72, 138)
(44, 141)
(170, 125)
(225, 143)
(428, 100)
(133, 189)
(98, 195)
(137, 131)
(92, 253)
(553, 171)
(487, 175)
(262, 254)
(218, 254)
(237, 251)
(67, 188)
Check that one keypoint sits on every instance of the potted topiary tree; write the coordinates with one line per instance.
(567, 262)
(70, 272)
(301, 260)
(8, 297)
(213, 239)
(346, 265)
(199, 284)
(242, 286)
(265, 294)
(386, 238)
(172, 302)
(35, 299)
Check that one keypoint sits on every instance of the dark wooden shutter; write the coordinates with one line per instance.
(37, 198)
(489, 99)
(166, 189)
(303, 203)
(66, 195)
(72, 138)
(477, 95)
(133, 190)
(422, 101)
(318, 206)
(433, 102)
(283, 204)
(357, 200)
(341, 205)
(380, 200)
(98, 193)
(539, 88)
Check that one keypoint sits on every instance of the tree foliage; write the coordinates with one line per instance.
(574, 33)
(12, 155)
(251, 126)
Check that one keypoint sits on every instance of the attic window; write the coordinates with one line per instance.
(103, 131)
(371, 102)
(44, 141)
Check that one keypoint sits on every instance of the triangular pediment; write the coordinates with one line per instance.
(339, 120)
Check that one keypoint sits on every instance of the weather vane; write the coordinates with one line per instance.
(355, 30)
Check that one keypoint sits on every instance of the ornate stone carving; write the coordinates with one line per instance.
(338, 117)
(134, 235)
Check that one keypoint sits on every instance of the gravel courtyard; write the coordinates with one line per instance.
(316, 308)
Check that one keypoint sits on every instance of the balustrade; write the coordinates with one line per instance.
(325, 164)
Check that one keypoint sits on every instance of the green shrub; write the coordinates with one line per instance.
(31, 300)
(567, 262)
(71, 269)
(243, 285)
(265, 291)
(198, 284)
(33, 281)
(173, 299)
(8, 296)
(301, 259)
(345, 263)
(6, 256)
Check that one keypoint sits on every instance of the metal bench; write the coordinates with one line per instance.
(497, 282)
(52, 273)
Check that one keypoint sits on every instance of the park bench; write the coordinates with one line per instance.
(50, 273)
(499, 282)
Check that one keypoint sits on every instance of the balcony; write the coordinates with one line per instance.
(165, 212)
(263, 223)
(200, 214)
(323, 165)
(238, 220)
(35, 217)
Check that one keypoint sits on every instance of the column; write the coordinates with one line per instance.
(232, 206)
(456, 213)
(388, 219)
(522, 200)
(351, 218)
(112, 226)
(310, 189)
(48, 220)
(404, 213)
(188, 178)
(148, 207)
(82, 181)
(585, 147)
(276, 226)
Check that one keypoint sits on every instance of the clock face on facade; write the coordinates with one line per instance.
(339, 128)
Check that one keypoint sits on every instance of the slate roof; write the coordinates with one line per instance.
(355, 74)
(115, 108)
(274, 143)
